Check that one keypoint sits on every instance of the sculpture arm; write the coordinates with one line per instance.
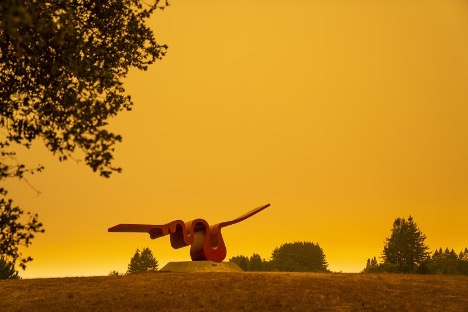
(244, 216)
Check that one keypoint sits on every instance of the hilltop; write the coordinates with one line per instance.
(238, 292)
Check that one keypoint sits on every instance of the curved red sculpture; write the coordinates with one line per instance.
(206, 242)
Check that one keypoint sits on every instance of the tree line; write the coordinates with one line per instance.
(289, 257)
(405, 251)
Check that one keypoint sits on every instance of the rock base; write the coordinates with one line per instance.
(200, 266)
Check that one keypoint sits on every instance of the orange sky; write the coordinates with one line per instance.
(342, 114)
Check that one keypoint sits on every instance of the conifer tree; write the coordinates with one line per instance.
(405, 247)
(463, 257)
(134, 265)
(448, 262)
(147, 260)
(142, 262)
(371, 266)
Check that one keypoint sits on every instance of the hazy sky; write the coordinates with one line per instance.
(344, 115)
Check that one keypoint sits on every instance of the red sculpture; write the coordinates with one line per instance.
(206, 242)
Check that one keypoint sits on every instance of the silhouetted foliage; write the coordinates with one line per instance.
(372, 266)
(256, 263)
(291, 257)
(441, 262)
(7, 270)
(299, 257)
(405, 247)
(15, 232)
(114, 273)
(61, 69)
(252, 263)
(142, 262)
(405, 252)
(242, 261)
(448, 262)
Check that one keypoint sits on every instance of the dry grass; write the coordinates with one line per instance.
(238, 292)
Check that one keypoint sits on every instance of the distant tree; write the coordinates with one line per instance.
(292, 257)
(463, 256)
(62, 64)
(441, 262)
(242, 261)
(148, 261)
(252, 263)
(299, 257)
(7, 270)
(405, 247)
(448, 262)
(142, 262)
(114, 273)
(372, 266)
(256, 263)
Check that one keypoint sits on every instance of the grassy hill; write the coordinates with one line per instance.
(155, 291)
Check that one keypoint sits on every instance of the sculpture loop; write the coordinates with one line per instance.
(205, 241)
